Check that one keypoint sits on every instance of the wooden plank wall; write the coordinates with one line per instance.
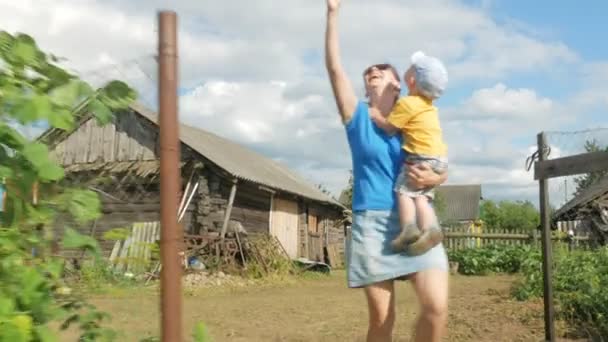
(251, 205)
(128, 138)
(119, 215)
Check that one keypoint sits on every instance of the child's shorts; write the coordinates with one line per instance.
(438, 164)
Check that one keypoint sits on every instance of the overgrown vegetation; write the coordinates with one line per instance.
(492, 259)
(586, 180)
(33, 289)
(580, 280)
(33, 89)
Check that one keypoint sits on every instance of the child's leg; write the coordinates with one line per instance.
(407, 219)
(424, 212)
(428, 223)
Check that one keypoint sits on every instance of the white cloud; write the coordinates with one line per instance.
(502, 102)
(257, 75)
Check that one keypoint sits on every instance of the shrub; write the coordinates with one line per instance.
(33, 294)
(580, 283)
(492, 259)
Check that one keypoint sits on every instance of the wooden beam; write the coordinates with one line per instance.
(571, 165)
(228, 209)
(545, 221)
(270, 212)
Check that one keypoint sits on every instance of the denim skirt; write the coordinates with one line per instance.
(369, 257)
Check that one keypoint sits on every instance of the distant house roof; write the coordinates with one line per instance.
(461, 201)
(569, 210)
(242, 162)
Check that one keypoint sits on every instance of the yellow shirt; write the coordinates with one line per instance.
(418, 121)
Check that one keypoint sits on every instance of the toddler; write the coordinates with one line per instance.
(417, 119)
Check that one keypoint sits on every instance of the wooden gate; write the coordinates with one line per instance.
(284, 224)
(316, 229)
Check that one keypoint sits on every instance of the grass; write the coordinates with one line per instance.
(320, 308)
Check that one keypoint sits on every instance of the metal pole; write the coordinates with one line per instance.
(545, 220)
(171, 234)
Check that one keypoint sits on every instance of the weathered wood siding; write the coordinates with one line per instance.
(129, 137)
(319, 226)
(251, 205)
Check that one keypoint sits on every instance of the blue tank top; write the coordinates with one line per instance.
(376, 159)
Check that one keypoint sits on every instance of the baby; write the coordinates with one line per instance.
(417, 119)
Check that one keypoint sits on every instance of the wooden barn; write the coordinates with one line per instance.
(120, 161)
(461, 202)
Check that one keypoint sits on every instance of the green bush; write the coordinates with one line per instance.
(492, 259)
(33, 292)
(580, 287)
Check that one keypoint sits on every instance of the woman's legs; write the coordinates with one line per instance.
(381, 306)
(431, 288)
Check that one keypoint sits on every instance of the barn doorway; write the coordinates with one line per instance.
(284, 224)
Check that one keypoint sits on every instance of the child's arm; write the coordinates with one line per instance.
(382, 122)
(396, 120)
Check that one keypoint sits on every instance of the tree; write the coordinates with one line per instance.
(34, 89)
(585, 181)
(509, 215)
(346, 196)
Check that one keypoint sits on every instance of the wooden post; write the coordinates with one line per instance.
(228, 209)
(171, 234)
(545, 221)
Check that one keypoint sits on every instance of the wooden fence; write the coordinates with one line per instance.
(460, 237)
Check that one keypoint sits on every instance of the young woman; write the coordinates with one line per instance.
(376, 158)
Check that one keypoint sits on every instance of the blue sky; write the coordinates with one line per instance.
(258, 77)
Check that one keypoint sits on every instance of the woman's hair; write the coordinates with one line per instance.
(383, 66)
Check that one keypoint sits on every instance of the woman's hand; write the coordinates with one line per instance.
(332, 5)
(421, 176)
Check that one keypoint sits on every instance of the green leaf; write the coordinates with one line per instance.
(45, 334)
(102, 112)
(35, 108)
(51, 172)
(24, 49)
(73, 239)
(7, 306)
(200, 333)
(55, 268)
(66, 94)
(6, 172)
(84, 205)
(10, 332)
(62, 119)
(36, 153)
(10, 137)
(6, 41)
(117, 95)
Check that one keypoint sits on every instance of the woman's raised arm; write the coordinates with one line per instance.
(344, 93)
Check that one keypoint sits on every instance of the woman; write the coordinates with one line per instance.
(371, 263)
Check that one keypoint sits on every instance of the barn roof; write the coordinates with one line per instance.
(461, 201)
(568, 211)
(241, 162)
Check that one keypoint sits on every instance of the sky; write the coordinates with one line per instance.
(253, 72)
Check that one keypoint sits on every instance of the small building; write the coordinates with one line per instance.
(586, 213)
(461, 203)
(121, 162)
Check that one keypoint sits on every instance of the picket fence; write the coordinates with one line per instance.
(463, 236)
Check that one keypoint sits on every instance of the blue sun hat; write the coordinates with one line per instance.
(430, 73)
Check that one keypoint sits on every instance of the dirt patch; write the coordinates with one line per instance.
(325, 310)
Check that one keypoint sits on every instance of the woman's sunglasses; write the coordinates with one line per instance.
(381, 67)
